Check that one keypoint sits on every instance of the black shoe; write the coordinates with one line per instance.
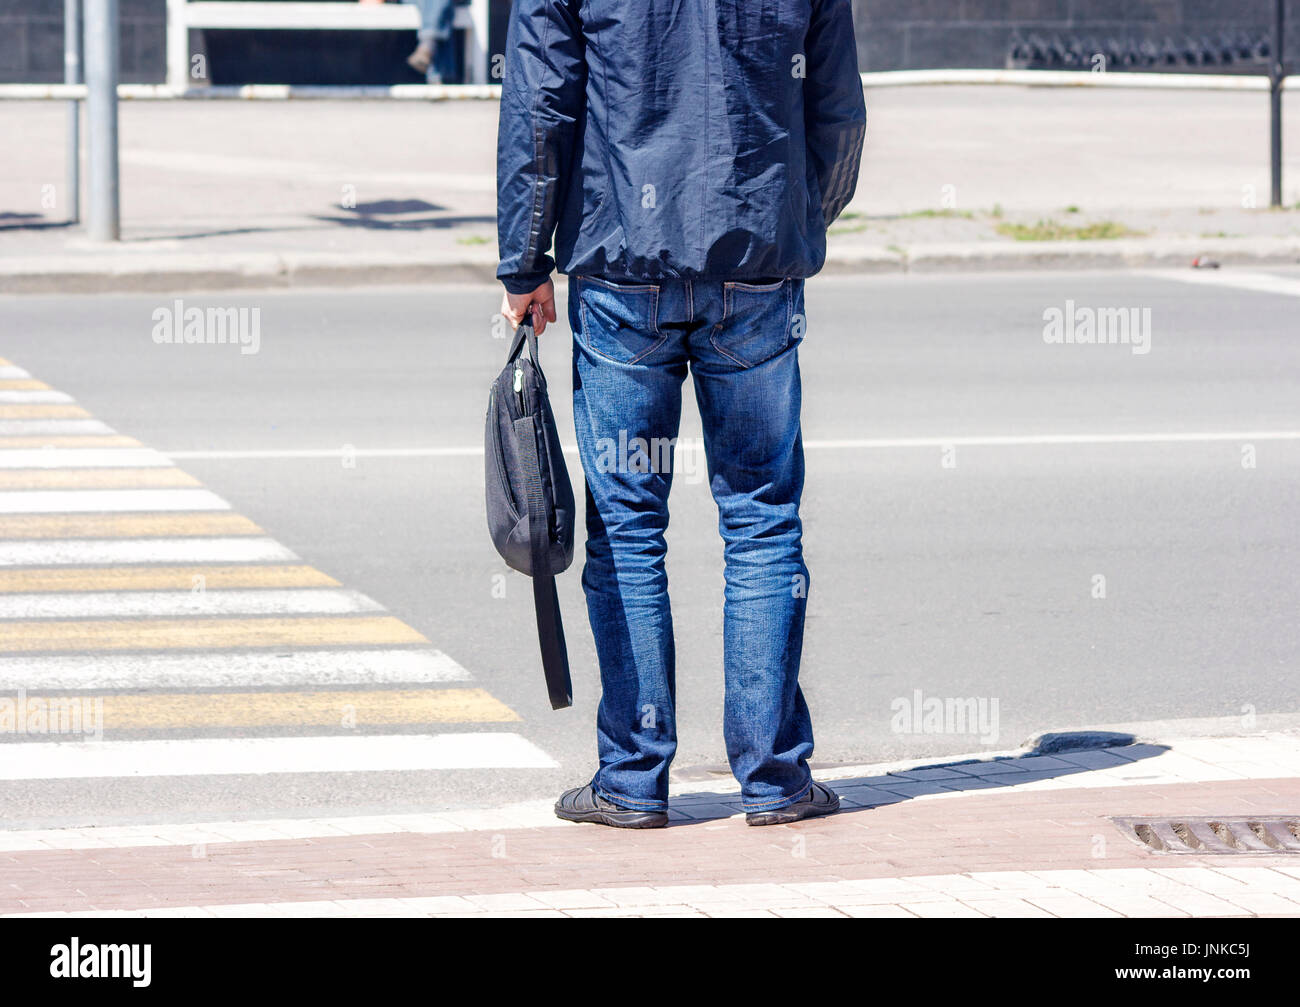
(820, 800)
(583, 804)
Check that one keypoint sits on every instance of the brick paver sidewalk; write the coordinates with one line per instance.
(1029, 836)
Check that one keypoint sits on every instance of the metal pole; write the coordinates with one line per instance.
(1276, 74)
(178, 46)
(72, 75)
(101, 117)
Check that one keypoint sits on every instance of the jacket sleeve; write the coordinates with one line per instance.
(835, 115)
(542, 98)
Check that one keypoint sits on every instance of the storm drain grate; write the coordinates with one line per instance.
(1257, 834)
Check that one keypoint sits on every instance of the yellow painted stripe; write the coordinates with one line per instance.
(124, 525)
(70, 441)
(188, 634)
(352, 708)
(40, 479)
(5, 363)
(159, 578)
(42, 412)
(22, 385)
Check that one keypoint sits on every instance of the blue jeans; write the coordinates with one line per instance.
(633, 344)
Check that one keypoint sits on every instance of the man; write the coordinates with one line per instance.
(688, 158)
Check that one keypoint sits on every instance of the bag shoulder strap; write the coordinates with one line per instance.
(546, 602)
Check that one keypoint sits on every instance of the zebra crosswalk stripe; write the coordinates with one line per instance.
(280, 668)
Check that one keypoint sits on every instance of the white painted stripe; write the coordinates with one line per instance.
(259, 756)
(1072, 79)
(1030, 440)
(114, 604)
(448, 452)
(28, 428)
(832, 444)
(1263, 283)
(98, 501)
(227, 670)
(10, 373)
(83, 552)
(82, 458)
(34, 395)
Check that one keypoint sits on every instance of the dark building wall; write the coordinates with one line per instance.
(31, 41)
(31, 48)
(892, 35)
(931, 34)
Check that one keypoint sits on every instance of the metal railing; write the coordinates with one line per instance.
(183, 15)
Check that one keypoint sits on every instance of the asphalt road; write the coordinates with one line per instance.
(961, 568)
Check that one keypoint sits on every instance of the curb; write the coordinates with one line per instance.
(126, 272)
(129, 272)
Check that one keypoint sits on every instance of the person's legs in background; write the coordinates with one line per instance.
(434, 56)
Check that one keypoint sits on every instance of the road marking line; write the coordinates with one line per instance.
(123, 478)
(90, 552)
(31, 427)
(70, 441)
(160, 578)
(84, 458)
(9, 371)
(81, 501)
(336, 708)
(1028, 440)
(160, 604)
(226, 669)
(26, 384)
(992, 440)
(27, 412)
(193, 634)
(1263, 283)
(33, 396)
(450, 452)
(260, 756)
(125, 525)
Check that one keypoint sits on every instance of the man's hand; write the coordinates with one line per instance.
(541, 302)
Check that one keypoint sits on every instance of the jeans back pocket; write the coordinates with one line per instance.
(758, 320)
(619, 321)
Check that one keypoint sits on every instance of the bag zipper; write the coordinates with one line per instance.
(501, 467)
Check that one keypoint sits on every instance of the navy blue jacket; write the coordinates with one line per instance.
(662, 139)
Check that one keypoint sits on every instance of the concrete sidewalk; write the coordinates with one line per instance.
(228, 194)
(1024, 834)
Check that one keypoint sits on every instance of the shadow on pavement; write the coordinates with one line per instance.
(1054, 756)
